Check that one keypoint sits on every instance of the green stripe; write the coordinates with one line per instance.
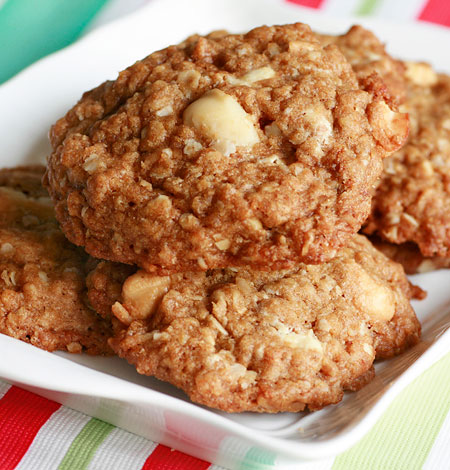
(403, 437)
(257, 459)
(31, 29)
(366, 7)
(83, 448)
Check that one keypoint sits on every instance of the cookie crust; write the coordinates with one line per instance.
(256, 149)
(243, 340)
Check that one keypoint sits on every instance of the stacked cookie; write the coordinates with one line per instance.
(225, 180)
(43, 276)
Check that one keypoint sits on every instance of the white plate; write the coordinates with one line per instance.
(109, 388)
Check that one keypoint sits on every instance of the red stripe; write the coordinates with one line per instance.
(164, 458)
(22, 414)
(436, 11)
(308, 3)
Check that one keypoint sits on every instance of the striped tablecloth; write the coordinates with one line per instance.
(36, 433)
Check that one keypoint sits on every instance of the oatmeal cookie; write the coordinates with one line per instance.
(104, 285)
(42, 280)
(410, 257)
(412, 201)
(243, 340)
(257, 149)
(367, 56)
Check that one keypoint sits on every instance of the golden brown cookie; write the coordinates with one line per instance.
(252, 150)
(104, 285)
(244, 340)
(367, 56)
(42, 276)
(410, 257)
(412, 202)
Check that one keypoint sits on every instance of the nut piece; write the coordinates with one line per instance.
(258, 74)
(304, 341)
(389, 128)
(253, 76)
(223, 244)
(142, 293)
(420, 74)
(221, 118)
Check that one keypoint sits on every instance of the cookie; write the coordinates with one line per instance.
(42, 276)
(410, 257)
(104, 285)
(243, 340)
(25, 179)
(255, 150)
(367, 56)
(412, 201)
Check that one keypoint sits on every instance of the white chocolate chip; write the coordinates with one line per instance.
(43, 276)
(221, 118)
